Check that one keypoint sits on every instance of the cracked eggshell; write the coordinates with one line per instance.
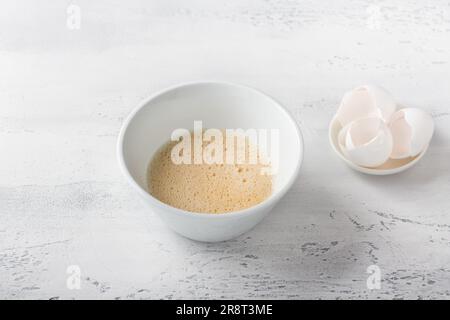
(366, 142)
(365, 101)
(412, 130)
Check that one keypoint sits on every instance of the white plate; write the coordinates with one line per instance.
(389, 167)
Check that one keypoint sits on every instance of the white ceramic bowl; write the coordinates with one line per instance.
(218, 105)
(391, 166)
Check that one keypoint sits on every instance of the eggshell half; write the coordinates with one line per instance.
(412, 129)
(365, 101)
(366, 142)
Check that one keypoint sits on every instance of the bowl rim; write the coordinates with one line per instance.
(266, 203)
(371, 171)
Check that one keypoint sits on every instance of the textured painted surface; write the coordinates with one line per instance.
(64, 94)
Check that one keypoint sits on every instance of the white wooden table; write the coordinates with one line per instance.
(66, 87)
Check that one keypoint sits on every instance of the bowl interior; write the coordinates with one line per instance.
(217, 105)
